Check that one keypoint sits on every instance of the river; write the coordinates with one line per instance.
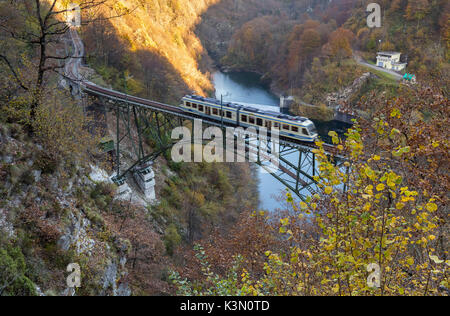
(245, 88)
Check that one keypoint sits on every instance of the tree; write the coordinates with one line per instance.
(13, 279)
(310, 42)
(417, 10)
(339, 42)
(384, 206)
(38, 24)
(136, 240)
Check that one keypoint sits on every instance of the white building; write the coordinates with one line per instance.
(390, 60)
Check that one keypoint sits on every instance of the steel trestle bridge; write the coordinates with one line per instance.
(138, 119)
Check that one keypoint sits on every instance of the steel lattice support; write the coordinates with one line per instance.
(297, 165)
(133, 125)
(297, 168)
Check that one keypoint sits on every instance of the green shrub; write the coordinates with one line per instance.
(171, 238)
(15, 172)
(13, 281)
(45, 163)
(94, 217)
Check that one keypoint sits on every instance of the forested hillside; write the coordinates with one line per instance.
(155, 43)
(53, 209)
(306, 47)
(385, 205)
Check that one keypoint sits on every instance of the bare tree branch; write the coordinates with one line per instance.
(11, 68)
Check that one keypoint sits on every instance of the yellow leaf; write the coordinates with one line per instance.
(436, 259)
(399, 206)
(336, 288)
(328, 190)
(380, 187)
(431, 207)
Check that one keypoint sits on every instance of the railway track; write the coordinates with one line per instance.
(72, 73)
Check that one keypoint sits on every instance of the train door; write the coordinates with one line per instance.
(208, 111)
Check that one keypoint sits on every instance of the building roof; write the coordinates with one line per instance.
(389, 53)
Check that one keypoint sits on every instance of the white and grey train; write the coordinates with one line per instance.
(294, 127)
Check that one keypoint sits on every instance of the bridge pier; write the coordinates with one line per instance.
(122, 185)
(145, 178)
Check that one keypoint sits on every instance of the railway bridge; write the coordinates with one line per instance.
(137, 118)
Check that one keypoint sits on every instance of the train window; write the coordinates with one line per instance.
(200, 108)
(229, 114)
(244, 118)
(304, 131)
(276, 125)
(188, 104)
(251, 120)
(295, 129)
(259, 122)
(221, 112)
(286, 127)
(215, 112)
(194, 105)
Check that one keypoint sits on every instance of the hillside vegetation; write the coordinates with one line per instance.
(155, 43)
(52, 212)
(301, 45)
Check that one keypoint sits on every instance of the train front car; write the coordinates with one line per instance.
(312, 130)
(290, 127)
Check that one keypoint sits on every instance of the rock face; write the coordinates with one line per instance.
(336, 99)
(77, 235)
(5, 225)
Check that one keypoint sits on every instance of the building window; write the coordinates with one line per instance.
(229, 114)
(251, 120)
(259, 122)
(244, 118)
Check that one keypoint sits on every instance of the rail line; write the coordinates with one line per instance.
(72, 73)
(298, 179)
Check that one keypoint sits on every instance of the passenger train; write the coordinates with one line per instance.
(299, 128)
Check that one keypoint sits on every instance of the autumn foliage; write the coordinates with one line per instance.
(383, 204)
